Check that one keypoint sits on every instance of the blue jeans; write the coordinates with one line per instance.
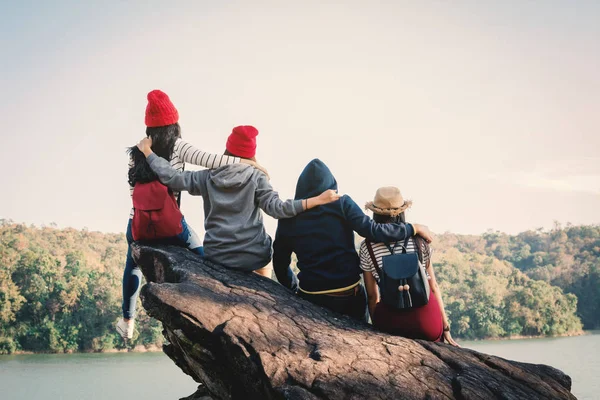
(132, 276)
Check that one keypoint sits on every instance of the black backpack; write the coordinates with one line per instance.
(403, 281)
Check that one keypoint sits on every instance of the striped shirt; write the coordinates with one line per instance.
(380, 250)
(183, 152)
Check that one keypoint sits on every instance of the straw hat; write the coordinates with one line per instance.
(388, 201)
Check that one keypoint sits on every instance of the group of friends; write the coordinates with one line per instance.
(318, 225)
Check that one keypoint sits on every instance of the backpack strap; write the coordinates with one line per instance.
(392, 249)
(405, 245)
(180, 193)
(373, 259)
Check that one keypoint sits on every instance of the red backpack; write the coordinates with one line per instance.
(156, 214)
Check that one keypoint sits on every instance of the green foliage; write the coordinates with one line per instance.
(488, 298)
(60, 291)
(7, 345)
(564, 257)
(535, 283)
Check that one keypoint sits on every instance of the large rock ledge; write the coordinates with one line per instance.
(246, 337)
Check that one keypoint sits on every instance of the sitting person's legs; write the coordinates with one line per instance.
(417, 323)
(352, 304)
(132, 281)
(189, 238)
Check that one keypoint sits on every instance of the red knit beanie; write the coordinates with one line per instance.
(242, 141)
(160, 111)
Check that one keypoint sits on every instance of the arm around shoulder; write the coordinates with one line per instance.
(268, 200)
(367, 228)
(190, 181)
(192, 155)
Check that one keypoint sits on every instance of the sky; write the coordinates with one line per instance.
(485, 114)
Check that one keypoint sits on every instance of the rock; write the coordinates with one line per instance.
(247, 337)
(200, 394)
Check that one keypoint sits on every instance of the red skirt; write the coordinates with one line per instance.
(416, 323)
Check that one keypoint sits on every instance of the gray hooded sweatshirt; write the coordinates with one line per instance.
(233, 196)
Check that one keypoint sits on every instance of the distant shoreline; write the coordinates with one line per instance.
(155, 348)
(520, 337)
(137, 349)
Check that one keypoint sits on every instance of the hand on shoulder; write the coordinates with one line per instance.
(328, 196)
(145, 146)
(423, 231)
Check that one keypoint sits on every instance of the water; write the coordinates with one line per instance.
(151, 376)
(148, 376)
(578, 357)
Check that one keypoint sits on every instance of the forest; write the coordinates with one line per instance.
(60, 289)
(534, 283)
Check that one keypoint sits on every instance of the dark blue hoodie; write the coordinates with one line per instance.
(323, 237)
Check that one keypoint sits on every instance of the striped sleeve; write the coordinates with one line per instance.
(189, 154)
(425, 250)
(427, 258)
(427, 255)
(365, 259)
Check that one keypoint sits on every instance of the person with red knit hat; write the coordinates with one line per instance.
(160, 111)
(162, 126)
(242, 141)
(234, 196)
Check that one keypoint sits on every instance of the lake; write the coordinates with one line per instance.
(154, 376)
(578, 357)
(148, 376)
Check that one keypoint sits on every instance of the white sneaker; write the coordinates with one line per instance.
(125, 329)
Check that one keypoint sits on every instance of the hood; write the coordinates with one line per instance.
(232, 176)
(314, 180)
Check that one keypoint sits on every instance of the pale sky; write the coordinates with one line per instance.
(485, 114)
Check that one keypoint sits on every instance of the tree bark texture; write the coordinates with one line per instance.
(246, 337)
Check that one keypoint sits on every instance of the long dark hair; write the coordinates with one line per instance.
(163, 143)
(387, 219)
